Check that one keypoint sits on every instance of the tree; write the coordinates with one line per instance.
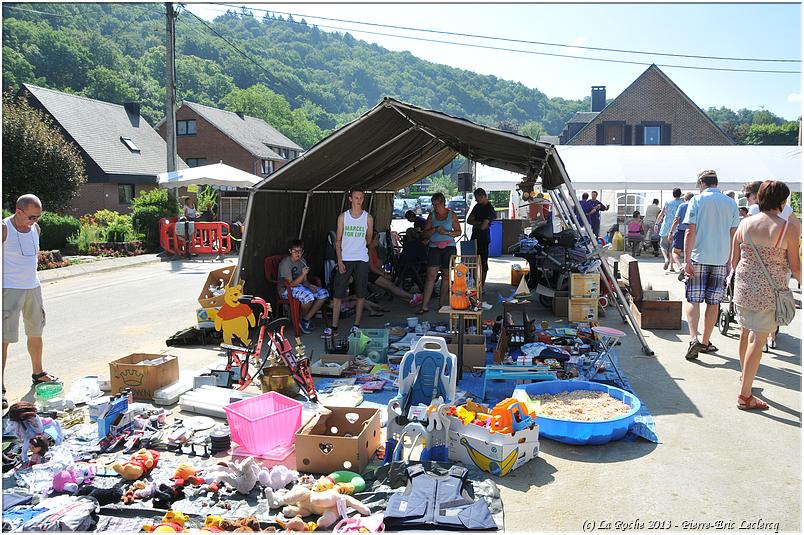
(533, 129)
(771, 134)
(37, 159)
(443, 184)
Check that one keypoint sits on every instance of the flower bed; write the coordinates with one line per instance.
(51, 260)
(130, 248)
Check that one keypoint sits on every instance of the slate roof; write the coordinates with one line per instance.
(97, 127)
(251, 133)
(583, 116)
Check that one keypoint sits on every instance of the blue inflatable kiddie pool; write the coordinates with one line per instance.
(583, 432)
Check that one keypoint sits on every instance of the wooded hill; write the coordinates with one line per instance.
(303, 80)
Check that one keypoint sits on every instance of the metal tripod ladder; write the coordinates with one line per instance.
(565, 199)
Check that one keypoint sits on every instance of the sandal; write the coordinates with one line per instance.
(710, 348)
(39, 378)
(750, 403)
(422, 311)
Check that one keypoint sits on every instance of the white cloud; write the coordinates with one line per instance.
(578, 41)
(794, 97)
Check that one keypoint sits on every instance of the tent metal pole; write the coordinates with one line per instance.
(244, 240)
(371, 200)
(381, 147)
(405, 171)
(604, 266)
(304, 214)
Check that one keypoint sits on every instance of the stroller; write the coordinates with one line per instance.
(728, 311)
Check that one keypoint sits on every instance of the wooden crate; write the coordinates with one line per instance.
(655, 310)
(584, 285)
(582, 310)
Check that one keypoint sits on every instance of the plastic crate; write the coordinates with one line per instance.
(265, 425)
(377, 345)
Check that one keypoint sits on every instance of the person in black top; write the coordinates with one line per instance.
(480, 218)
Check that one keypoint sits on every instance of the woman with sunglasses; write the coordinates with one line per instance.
(442, 227)
(22, 293)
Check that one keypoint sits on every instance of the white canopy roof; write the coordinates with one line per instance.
(663, 167)
(217, 174)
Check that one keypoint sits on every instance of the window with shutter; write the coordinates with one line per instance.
(613, 134)
(665, 134)
(627, 134)
(652, 135)
(601, 138)
(639, 135)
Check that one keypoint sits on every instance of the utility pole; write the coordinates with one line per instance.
(170, 91)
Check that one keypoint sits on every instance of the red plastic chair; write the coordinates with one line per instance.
(271, 268)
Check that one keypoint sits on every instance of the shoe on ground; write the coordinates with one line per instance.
(695, 348)
(681, 275)
(354, 330)
(666, 265)
(710, 348)
(306, 326)
(672, 269)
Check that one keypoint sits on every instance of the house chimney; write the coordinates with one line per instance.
(598, 97)
(133, 108)
(241, 114)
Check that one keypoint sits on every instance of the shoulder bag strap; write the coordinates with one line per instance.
(779, 239)
(761, 262)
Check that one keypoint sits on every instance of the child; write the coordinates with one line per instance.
(293, 269)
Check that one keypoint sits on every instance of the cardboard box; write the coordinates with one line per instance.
(517, 274)
(343, 362)
(495, 453)
(561, 304)
(657, 311)
(322, 447)
(584, 285)
(217, 278)
(143, 380)
(474, 348)
(582, 310)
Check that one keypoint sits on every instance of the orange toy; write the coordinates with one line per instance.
(510, 416)
(140, 464)
(458, 299)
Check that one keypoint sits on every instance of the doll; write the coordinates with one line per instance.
(38, 446)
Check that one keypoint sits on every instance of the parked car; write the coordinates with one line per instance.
(399, 209)
(459, 206)
(426, 204)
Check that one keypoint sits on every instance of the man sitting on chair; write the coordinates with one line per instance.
(294, 269)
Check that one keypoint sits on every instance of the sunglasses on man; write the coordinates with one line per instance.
(31, 217)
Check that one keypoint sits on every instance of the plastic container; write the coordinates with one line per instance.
(495, 246)
(49, 390)
(583, 432)
(265, 425)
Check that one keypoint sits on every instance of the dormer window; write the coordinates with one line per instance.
(130, 144)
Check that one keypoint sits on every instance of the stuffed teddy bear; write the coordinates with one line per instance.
(245, 524)
(279, 477)
(301, 501)
(172, 522)
(275, 498)
(140, 464)
(242, 475)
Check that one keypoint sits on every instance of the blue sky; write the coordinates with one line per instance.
(767, 31)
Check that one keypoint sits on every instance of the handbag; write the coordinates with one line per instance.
(785, 304)
(467, 247)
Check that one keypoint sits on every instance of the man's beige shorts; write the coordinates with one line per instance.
(29, 302)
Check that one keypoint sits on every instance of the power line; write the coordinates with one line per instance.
(523, 41)
(533, 52)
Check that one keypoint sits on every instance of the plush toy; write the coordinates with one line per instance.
(213, 523)
(301, 501)
(275, 498)
(165, 495)
(458, 299)
(296, 524)
(234, 318)
(38, 446)
(104, 496)
(24, 423)
(184, 471)
(140, 464)
(242, 475)
(245, 524)
(65, 481)
(139, 490)
(279, 477)
(172, 522)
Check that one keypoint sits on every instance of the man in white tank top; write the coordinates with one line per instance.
(355, 228)
(22, 293)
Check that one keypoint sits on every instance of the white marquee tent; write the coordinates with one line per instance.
(217, 174)
(663, 167)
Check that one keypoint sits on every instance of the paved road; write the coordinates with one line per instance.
(95, 318)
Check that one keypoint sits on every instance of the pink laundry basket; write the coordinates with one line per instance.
(265, 425)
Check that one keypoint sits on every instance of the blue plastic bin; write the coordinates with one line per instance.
(581, 432)
(495, 247)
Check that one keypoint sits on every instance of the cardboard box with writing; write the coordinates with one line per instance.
(345, 439)
(143, 379)
(561, 304)
(217, 278)
(584, 285)
(582, 310)
(496, 453)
